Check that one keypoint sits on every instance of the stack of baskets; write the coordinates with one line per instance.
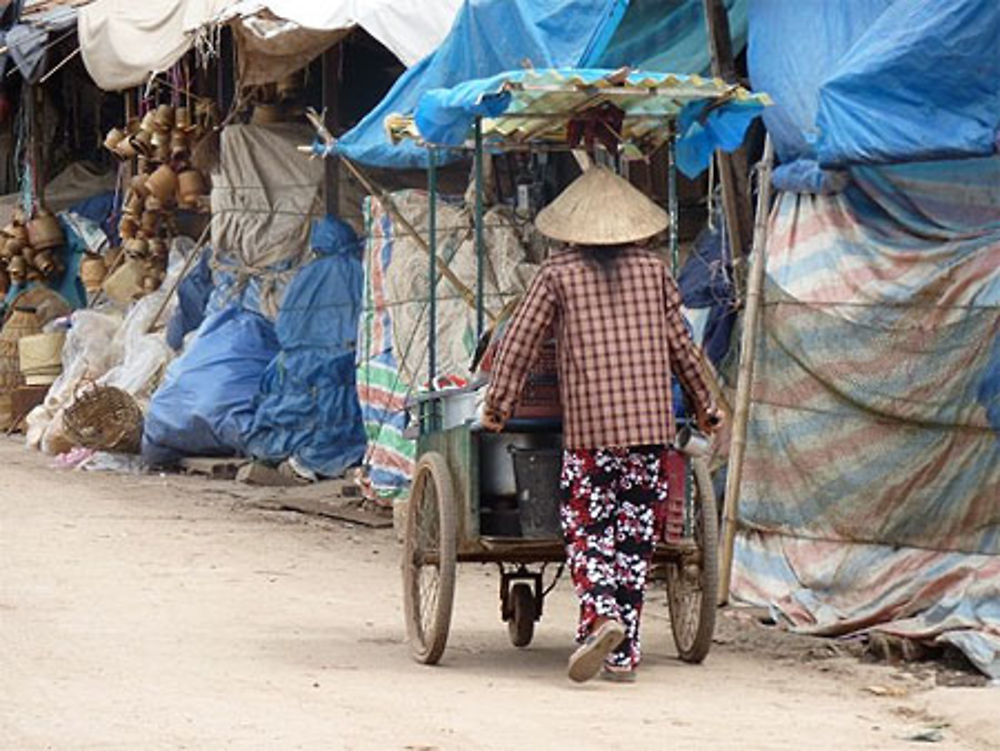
(29, 248)
(22, 322)
(162, 142)
(41, 357)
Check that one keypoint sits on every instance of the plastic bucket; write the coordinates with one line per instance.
(537, 472)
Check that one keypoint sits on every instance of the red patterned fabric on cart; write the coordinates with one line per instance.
(608, 510)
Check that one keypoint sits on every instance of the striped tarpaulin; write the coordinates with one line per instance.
(393, 335)
(382, 390)
(871, 494)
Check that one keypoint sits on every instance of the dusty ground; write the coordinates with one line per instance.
(166, 613)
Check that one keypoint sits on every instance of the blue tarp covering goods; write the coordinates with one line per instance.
(876, 80)
(871, 493)
(205, 405)
(308, 408)
(271, 390)
(488, 37)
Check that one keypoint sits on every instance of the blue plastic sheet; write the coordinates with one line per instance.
(699, 134)
(488, 37)
(308, 408)
(876, 81)
(922, 83)
(670, 35)
(206, 404)
(192, 298)
(100, 210)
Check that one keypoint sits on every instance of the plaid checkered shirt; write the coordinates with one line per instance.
(619, 331)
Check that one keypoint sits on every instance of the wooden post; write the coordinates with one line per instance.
(331, 89)
(732, 167)
(38, 166)
(744, 383)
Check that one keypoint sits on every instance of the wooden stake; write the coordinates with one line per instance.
(744, 383)
(732, 167)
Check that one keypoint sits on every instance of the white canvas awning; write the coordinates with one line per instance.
(123, 41)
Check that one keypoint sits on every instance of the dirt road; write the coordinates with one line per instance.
(162, 613)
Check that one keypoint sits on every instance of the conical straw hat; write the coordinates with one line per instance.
(600, 208)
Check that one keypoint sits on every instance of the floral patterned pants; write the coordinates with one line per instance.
(609, 499)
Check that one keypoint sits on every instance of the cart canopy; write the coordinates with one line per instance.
(538, 106)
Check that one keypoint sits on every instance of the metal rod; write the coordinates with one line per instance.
(744, 382)
(54, 70)
(672, 204)
(480, 243)
(432, 265)
(331, 107)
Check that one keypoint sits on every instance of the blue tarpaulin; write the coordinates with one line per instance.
(308, 408)
(878, 81)
(205, 405)
(923, 82)
(192, 298)
(488, 37)
(269, 390)
(667, 35)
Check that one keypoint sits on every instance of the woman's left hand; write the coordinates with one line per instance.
(711, 420)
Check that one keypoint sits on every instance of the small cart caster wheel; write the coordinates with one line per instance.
(521, 625)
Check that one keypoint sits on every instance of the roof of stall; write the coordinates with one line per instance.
(41, 11)
(122, 49)
(537, 106)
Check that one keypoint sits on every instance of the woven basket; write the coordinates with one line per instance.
(41, 353)
(22, 322)
(104, 418)
(48, 303)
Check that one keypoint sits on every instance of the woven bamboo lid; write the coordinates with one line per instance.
(601, 208)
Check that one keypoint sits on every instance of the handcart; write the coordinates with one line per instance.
(459, 466)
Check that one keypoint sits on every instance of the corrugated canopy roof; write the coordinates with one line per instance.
(537, 107)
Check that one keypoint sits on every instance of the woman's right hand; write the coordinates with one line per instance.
(490, 422)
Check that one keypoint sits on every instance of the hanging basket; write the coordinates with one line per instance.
(104, 418)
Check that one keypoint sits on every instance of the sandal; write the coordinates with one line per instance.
(587, 660)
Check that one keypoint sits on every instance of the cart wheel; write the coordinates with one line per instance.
(429, 559)
(692, 585)
(521, 625)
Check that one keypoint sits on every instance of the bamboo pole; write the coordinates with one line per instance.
(55, 69)
(744, 382)
(382, 197)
